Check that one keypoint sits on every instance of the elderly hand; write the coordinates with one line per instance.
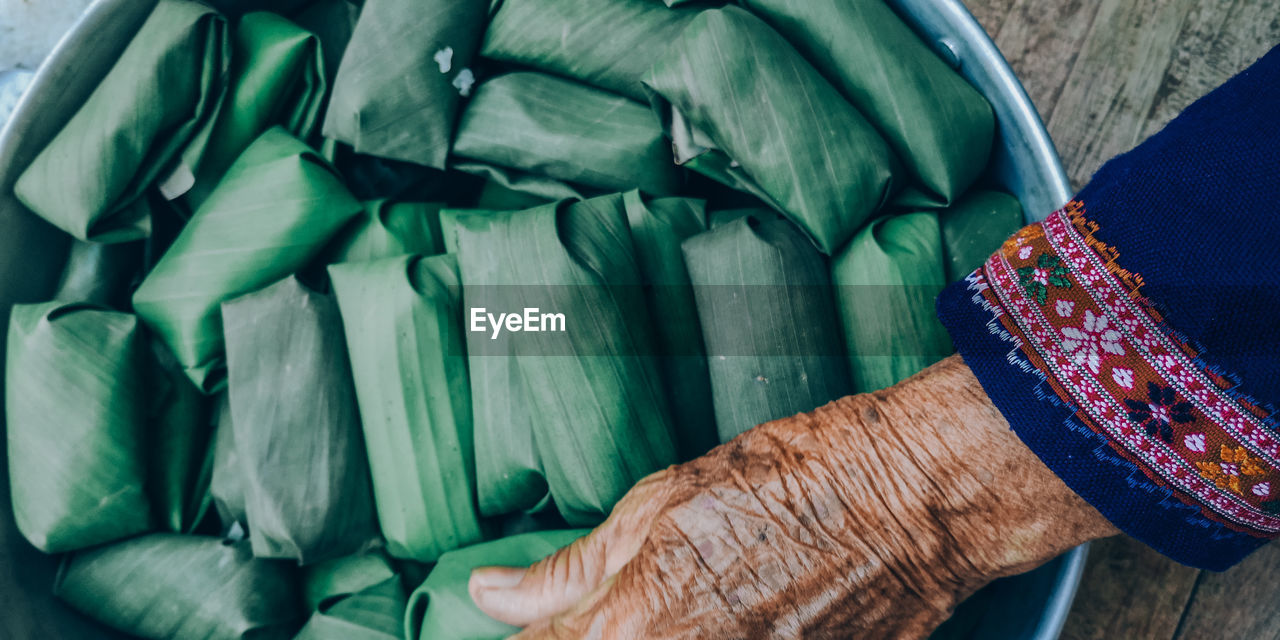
(870, 517)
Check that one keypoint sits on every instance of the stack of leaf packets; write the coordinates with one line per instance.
(297, 432)
(605, 43)
(403, 77)
(277, 78)
(744, 108)
(937, 124)
(175, 587)
(886, 282)
(658, 227)
(277, 207)
(389, 229)
(976, 226)
(556, 128)
(598, 410)
(75, 413)
(180, 466)
(161, 94)
(442, 609)
(401, 317)
(769, 321)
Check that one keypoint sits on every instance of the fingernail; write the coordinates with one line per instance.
(496, 577)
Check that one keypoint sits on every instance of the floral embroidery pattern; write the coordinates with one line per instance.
(1047, 272)
(1162, 410)
(1233, 464)
(1122, 377)
(1088, 342)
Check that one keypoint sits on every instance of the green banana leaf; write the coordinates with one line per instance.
(333, 22)
(101, 274)
(608, 44)
(161, 94)
(937, 124)
(75, 412)
(560, 129)
(401, 318)
(975, 227)
(375, 613)
(657, 228)
(449, 224)
(506, 189)
(374, 178)
(226, 484)
(403, 77)
(277, 208)
(598, 410)
(495, 196)
(442, 609)
(297, 430)
(389, 229)
(180, 469)
(744, 108)
(886, 282)
(769, 321)
(277, 78)
(344, 576)
(235, 8)
(174, 587)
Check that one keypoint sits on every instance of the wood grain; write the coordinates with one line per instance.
(1243, 602)
(1130, 592)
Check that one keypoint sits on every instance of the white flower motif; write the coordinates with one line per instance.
(1230, 468)
(1024, 253)
(1065, 308)
(1194, 442)
(1123, 377)
(1088, 342)
(1262, 489)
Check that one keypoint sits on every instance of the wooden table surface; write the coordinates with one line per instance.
(1105, 74)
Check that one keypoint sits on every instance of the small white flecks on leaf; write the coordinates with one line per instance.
(444, 58)
(464, 82)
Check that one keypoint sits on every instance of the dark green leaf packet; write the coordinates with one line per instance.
(227, 481)
(181, 435)
(344, 576)
(101, 274)
(175, 587)
(548, 126)
(975, 227)
(297, 429)
(374, 613)
(388, 229)
(886, 280)
(75, 414)
(769, 321)
(937, 124)
(279, 205)
(153, 110)
(743, 107)
(401, 319)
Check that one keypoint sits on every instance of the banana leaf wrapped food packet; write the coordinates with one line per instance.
(560, 129)
(101, 274)
(297, 431)
(226, 481)
(181, 436)
(174, 587)
(401, 317)
(939, 126)
(743, 108)
(277, 78)
(598, 411)
(344, 576)
(76, 468)
(769, 320)
(507, 189)
(886, 280)
(373, 613)
(442, 609)
(404, 75)
(277, 208)
(389, 229)
(160, 96)
(975, 227)
(608, 44)
(658, 227)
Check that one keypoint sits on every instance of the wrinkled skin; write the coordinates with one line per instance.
(871, 517)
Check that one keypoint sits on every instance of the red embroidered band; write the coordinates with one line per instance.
(1081, 320)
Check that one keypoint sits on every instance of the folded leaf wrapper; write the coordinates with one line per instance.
(297, 431)
(608, 44)
(75, 412)
(101, 274)
(657, 228)
(162, 93)
(277, 208)
(937, 124)
(769, 320)
(389, 229)
(598, 410)
(277, 78)
(174, 587)
(374, 613)
(442, 609)
(226, 482)
(401, 317)
(344, 576)
(744, 108)
(403, 76)
(567, 131)
(975, 227)
(886, 282)
(181, 464)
